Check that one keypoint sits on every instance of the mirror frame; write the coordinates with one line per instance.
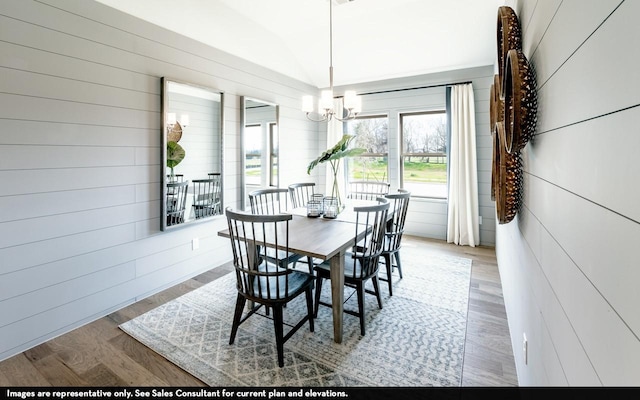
(243, 123)
(163, 166)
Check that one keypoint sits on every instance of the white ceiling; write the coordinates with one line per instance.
(372, 39)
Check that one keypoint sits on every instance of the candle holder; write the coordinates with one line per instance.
(314, 208)
(331, 207)
(320, 199)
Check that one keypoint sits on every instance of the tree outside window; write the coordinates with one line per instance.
(371, 133)
(423, 161)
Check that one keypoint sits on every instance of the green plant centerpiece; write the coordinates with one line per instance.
(175, 155)
(333, 156)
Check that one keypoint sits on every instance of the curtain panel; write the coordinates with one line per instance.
(463, 212)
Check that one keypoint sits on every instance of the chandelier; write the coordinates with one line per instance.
(351, 102)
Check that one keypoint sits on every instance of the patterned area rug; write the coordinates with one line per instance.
(417, 339)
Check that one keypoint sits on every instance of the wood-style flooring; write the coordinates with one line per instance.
(100, 354)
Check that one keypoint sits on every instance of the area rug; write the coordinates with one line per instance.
(415, 340)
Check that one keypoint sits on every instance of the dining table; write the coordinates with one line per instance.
(324, 239)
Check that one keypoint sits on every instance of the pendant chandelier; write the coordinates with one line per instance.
(352, 103)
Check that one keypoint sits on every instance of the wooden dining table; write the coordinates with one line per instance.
(324, 239)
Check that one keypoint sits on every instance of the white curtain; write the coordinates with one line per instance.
(334, 134)
(463, 227)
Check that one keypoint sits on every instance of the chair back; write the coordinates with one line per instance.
(269, 201)
(176, 202)
(206, 199)
(301, 193)
(399, 203)
(259, 277)
(367, 190)
(366, 252)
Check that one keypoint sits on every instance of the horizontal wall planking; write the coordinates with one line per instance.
(33, 303)
(23, 132)
(20, 157)
(603, 265)
(50, 87)
(31, 230)
(20, 182)
(63, 202)
(578, 86)
(547, 158)
(60, 111)
(565, 33)
(433, 231)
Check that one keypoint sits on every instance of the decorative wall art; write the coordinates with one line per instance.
(513, 115)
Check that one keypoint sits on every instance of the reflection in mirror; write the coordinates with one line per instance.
(192, 153)
(259, 121)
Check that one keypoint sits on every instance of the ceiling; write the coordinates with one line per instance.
(372, 39)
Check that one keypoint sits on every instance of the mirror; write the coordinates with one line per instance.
(259, 122)
(192, 150)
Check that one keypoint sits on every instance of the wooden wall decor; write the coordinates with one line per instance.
(513, 115)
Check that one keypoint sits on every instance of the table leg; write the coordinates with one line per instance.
(337, 294)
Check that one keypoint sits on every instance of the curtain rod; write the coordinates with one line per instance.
(416, 88)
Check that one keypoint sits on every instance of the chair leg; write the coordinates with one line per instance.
(279, 328)
(310, 262)
(387, 263)
(318, 290)
(376, 289)
(310, 311)
(398, 264)
(360, 293)
(240, 302)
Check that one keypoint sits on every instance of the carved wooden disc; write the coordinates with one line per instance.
(520, 101)
(509, 36)
(509, 181)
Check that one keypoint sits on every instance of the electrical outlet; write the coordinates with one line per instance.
(525, 348)
(195, 244)
(480, 220)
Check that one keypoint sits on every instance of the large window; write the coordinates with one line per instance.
(253, 154)
(423, 160)
(371, 133)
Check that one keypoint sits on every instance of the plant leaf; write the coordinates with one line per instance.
(175, 154)
(339, 150)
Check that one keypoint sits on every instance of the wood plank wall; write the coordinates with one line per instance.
(569, 262)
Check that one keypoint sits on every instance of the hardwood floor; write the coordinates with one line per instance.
(100, 354)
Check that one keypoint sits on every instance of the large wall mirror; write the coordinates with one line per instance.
(192, 131)
(259, 122)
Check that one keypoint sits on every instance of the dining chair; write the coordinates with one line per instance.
(206, 199)
(176, 202)
(362, 263)
(301, 193)
(399, 203)
(273, 201)
(367, 190)
(262, 280)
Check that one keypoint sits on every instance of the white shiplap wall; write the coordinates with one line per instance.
(80, 104)
(569, 262)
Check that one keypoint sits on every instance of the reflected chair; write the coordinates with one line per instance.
(262, 280)
(176, 202)
(206, 197)
(270, 202)
(399, 203)
(362, 263)
(301, 193)
(367, 190)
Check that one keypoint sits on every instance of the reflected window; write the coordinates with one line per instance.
(253, 155)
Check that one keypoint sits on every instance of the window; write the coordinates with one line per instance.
(273, 154)
(423, 161)
(372, 134)
(253, 154)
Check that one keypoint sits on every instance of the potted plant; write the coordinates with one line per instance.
(333, 156)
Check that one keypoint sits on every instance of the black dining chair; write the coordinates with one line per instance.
(399, 203)
(270, 202)
(176, 202)
(362, 263)
(301, 193)
(206, 197)
(367, 190)
(261, 279)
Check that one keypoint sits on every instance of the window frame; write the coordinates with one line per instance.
(368, 155)
(402, 154)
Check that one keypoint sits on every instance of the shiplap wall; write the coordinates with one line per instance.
(80, 104)
(428, 217)
(569, 261)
